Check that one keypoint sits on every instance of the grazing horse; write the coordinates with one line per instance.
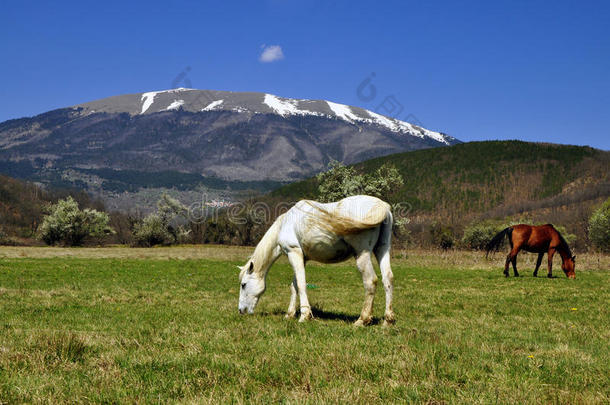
(357, 226)
(536, 239)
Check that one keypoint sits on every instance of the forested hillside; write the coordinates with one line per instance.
(495, 179)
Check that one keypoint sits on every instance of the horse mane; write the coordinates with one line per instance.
(564, 243)
(262, 256)
(343, 225)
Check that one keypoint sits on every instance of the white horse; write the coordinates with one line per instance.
(355, 226)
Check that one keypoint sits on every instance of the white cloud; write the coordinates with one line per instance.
(271, 53)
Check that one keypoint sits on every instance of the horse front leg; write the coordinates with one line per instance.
(369, 280)
(292, 307)
(550, 257)
(538, 262)
(295, 257)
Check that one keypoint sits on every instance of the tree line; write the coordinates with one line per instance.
(65, 223)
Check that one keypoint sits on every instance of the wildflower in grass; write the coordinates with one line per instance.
(531, 356)
(573, 309)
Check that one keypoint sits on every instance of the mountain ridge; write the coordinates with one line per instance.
(195, 100)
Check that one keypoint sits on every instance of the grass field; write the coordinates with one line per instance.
(149, 325)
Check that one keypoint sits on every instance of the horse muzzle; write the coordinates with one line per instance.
(245, 310)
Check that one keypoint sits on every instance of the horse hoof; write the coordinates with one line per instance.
(305, 317)
(290, 315)
(389, 322)
(389, 318)
(362, 322)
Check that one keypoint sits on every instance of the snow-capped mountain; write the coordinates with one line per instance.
(254, 103)
(231, 136)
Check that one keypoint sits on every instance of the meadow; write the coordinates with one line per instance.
(121, 325)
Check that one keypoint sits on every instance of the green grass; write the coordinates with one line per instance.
(149, 330)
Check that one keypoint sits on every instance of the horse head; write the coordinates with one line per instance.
(568, 267)
(251, 289)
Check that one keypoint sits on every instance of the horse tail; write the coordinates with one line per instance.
(385, 233)
(496, 241)
(344, 225)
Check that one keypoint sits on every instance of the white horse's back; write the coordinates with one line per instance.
(347, 216)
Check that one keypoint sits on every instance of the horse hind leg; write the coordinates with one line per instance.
(369, 280)
(382, 253)
(538, 262)
(514, 261)
(511, 258)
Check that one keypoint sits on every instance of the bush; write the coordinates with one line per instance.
(599, 227)
(442, 236)
(157, 228)
(342, 181)
(152, 231)
(477, 235)
(69, 225)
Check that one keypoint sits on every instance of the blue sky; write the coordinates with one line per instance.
(536, 71)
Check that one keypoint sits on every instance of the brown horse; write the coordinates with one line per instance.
(536, 239)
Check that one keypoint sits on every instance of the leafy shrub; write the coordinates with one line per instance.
(157, 228)
(599, 227)
(342, 181)
(478, 234)
(152, 231)
(69, 225)
(442, 236)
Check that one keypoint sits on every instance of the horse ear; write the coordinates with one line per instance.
(251, 268)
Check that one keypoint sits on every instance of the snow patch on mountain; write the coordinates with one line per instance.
(149, 98)
(286, 107)
(343, 111)
(212, 105)
(384, 121)
(175, 105)
(281, 107)
(434, 135)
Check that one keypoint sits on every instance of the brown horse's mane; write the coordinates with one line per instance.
(564, 244)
